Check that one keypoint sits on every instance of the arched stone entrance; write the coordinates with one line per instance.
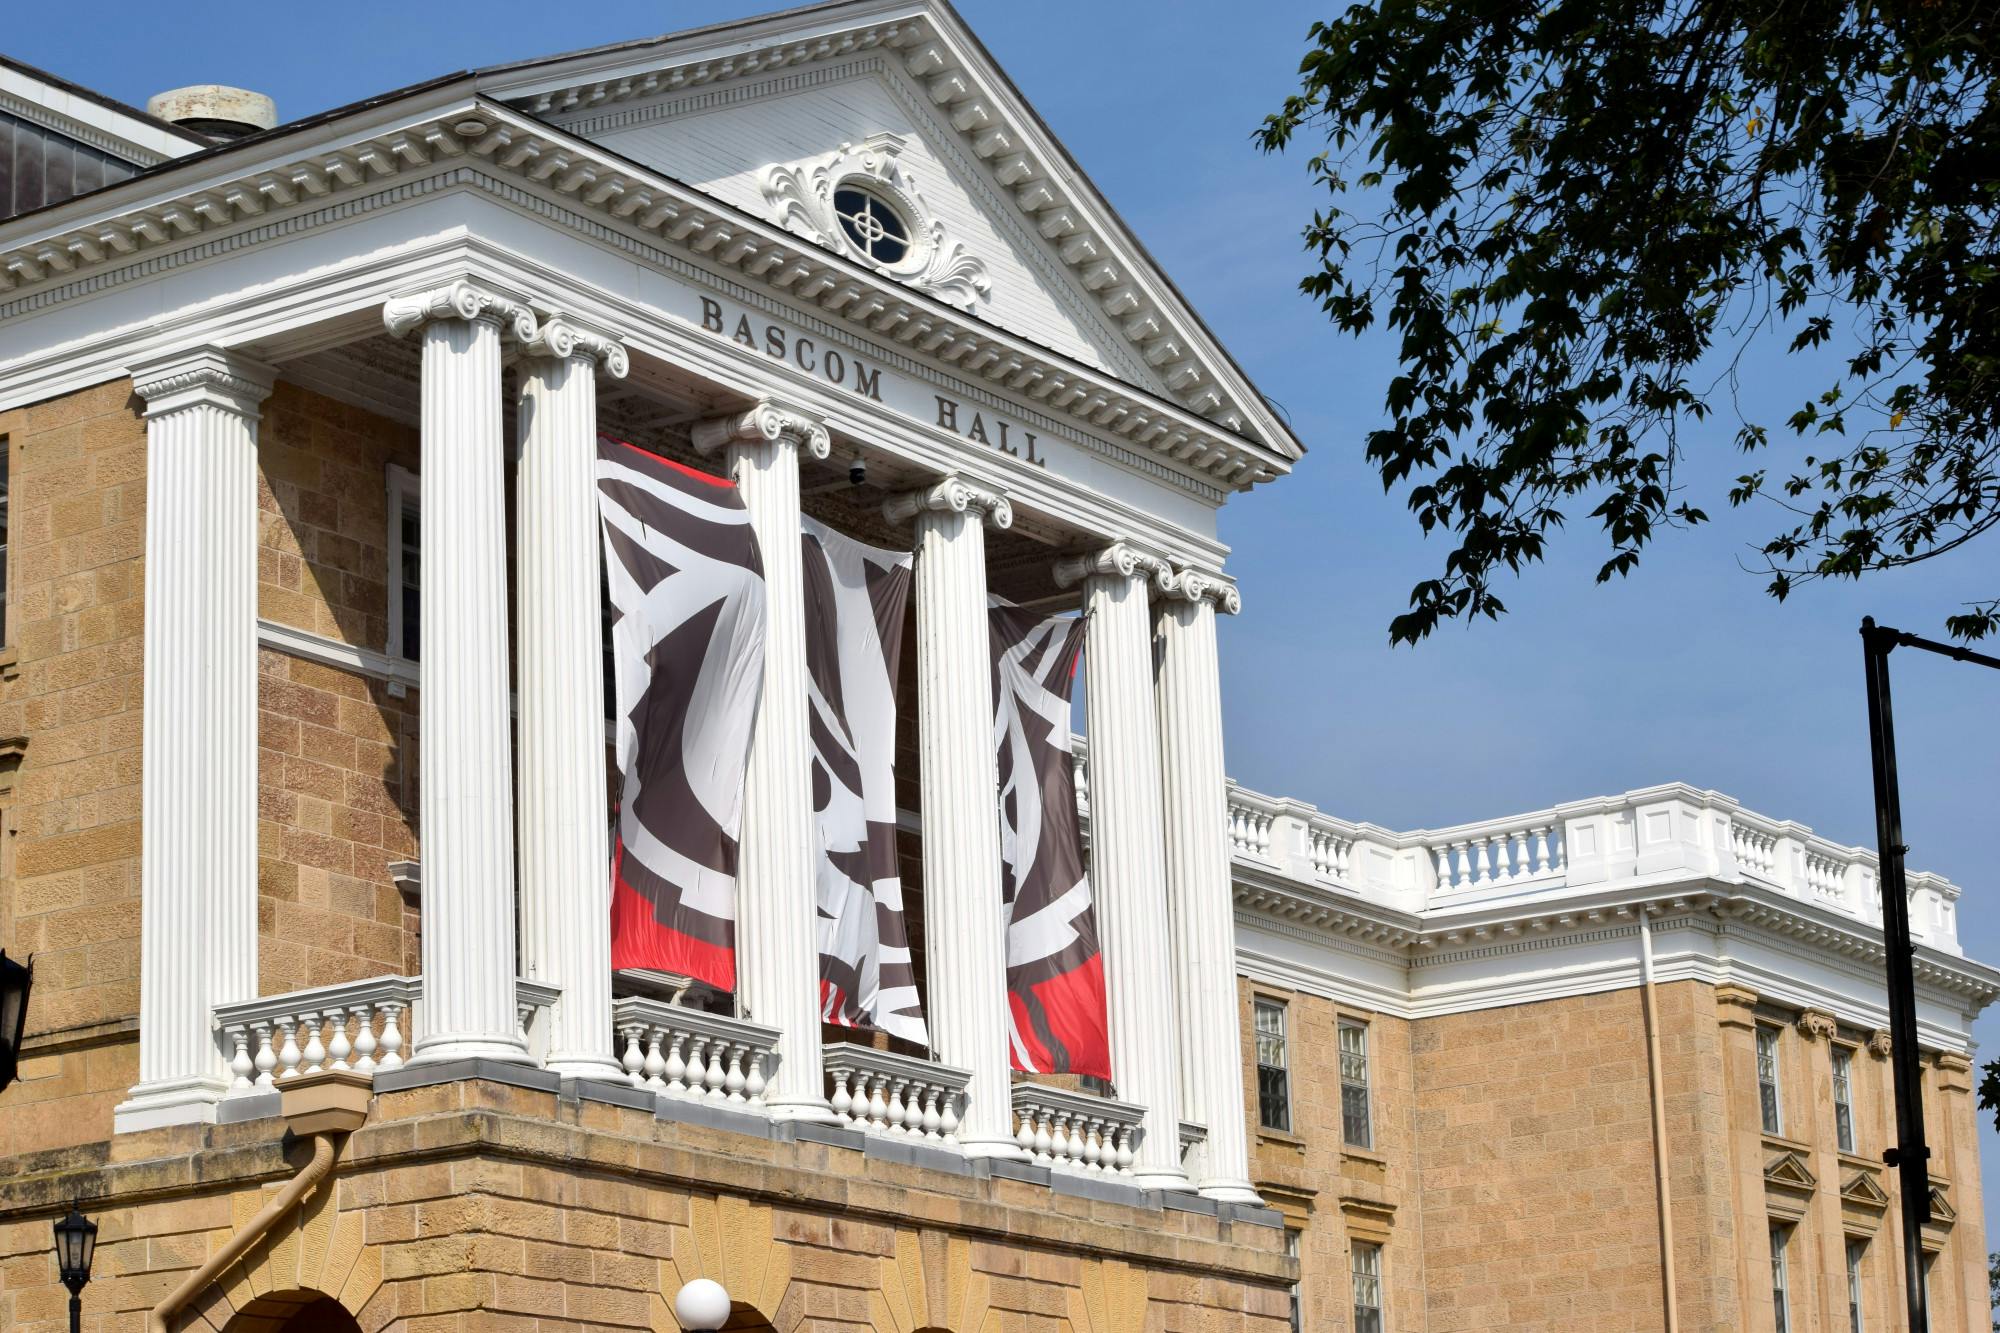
(293, 1312)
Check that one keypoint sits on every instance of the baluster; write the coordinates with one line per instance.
(675, 1067)
(339, 1048)
(1044, 1140)
(948, 1118)
(1443, 855)
(932, 1118)
(842, 1101)
(1541, 836)
(634, 1059)
(878, 1100)
(754, 1083)
(733, 1081)
(267, 1058)
(1523, 865)
(716, 1077)
(315, 1050)
(364, 1038)
(656, 1063)
(392, 1035)
(1482, 871)
(288, 1051)
(240, 1063)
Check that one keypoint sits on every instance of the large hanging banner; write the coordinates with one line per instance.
(855, 596)
(687, 637)
(1055, 970)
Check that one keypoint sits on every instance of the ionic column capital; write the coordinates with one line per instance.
(1118, 560)
(560, 339)
(951, 494)
(462, 299)
(1196, 585)
(769, 421)
(203, 376)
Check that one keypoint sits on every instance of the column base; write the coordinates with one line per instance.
(994, 1149)
(189, 1101)
(595, 1068)
(1172, 1182)
(1230, 1191)
(431, 1050)
(813, 1110)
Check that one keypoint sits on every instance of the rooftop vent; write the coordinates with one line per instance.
(214, 110)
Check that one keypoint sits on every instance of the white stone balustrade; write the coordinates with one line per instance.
(360, 1025)
(1509, 853)
(886, 1093)
(680, 1052)
(1251, 817)
(1075, 1130)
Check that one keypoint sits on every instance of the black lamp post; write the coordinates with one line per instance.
(76, 1245)
(15, 978)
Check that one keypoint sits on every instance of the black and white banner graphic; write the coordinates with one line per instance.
(855, 597)
(686, 586)
(1055, 970)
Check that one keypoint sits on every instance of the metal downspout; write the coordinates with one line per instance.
(1664, 1188)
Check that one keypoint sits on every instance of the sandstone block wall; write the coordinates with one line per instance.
(70, 692)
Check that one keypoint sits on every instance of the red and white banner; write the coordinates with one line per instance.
(855, 596)
(686, 586)
(1055, 969)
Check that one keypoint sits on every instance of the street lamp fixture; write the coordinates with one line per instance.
(76, 1245)
(15, 979)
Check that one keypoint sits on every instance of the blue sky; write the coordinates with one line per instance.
(1685, 671)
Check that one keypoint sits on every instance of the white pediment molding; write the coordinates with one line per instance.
(221, 203)
(995, 126)
(802, 201)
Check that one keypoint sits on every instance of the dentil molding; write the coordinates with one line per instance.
(801, 199)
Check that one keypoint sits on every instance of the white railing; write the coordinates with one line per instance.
(1495, 856)
(886, 1093)
(1653, 835)
(687, 1053)
(1250, 822)
(359, 1025)
(367, 1026)
(1076, 1130)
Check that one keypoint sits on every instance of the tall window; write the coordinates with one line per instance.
(1843, 1098)
(1928, 1262)
(1292, 1252)
(1355, 1127)
(1367, 1287)
(1854, 1249)
(1767, 1079)
(405, 565)
(1780, 1299)
(1274, 1079)
(6, 636)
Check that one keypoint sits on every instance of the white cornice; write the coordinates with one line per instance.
(139, 231)
(994, 125)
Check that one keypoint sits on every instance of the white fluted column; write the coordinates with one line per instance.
(777, 953)
(967, 1000)
(465, 809)
(198, 836)
(1127, 861)
(564, 840)
(1199, 907)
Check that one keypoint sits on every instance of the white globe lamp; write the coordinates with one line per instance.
(702, 1304)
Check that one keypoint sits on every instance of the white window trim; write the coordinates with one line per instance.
(1841, 1052)
(1367, 1084)
(1284, 1034)
(402, 486)
(1775, 1035)
(1781, 1275)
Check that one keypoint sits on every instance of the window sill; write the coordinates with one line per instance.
(10, 662)
(1784, 1144)
(1373, 1155)
(1281, 1138)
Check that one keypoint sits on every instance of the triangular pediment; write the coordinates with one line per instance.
(1788, 1171)
(1862, 1191)
(1942, 1213)
(896, 97)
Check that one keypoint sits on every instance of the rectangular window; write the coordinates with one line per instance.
(405, 565)
(1274, 1080)
(1929, 1262)
(1780, 1302)
(6, 624)
(1854, 1250)
(1767, 1079)
(1843, 1097)
(1367, 1287)
(1355, 1126)
(1292, 1252)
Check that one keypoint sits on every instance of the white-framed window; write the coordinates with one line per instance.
(1855, 1249)
(1274, 1076)
(1843, 1097)
(6, 602)
(1767, 1079)
(1292, 1252)
(1924, 1267)
(405, 567)
(1367, 1264)
(1356, 1125)
(1781, 1312)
